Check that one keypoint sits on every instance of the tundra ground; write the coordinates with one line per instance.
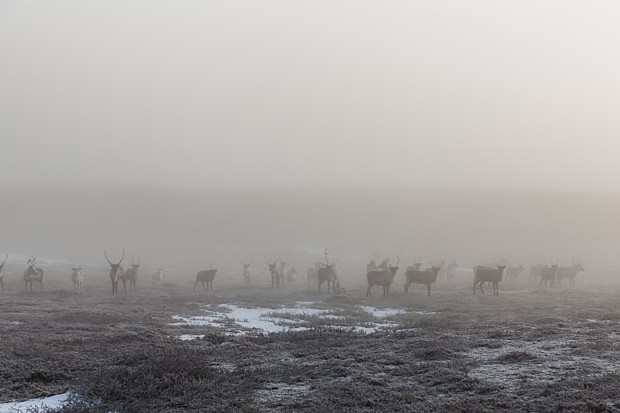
(527, 349)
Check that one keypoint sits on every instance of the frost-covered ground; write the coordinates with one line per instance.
(528, 349)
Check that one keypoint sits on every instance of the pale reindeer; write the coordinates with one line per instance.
(32, 274)
(77, 278)
(2, 273)
(291, 274)
(117, 273)
(247, 271)
(131, 274)
(282, 271)
(276, 274)
(157, 277)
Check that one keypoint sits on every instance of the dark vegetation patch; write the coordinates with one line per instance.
(517, 357)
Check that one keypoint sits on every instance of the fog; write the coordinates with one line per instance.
(192, 133)
(479, 94)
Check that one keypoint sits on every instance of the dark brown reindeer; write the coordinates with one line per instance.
(327, 272)
(2, 273)
(549, 273)
(77, 278)
(569, 272)
(312, 274)
(207, 277)
(117, 272)
(417, 276)
(32, 274)
(131, 274)
(382, 277)
(247, 271)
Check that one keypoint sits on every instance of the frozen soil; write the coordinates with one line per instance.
(527, 349)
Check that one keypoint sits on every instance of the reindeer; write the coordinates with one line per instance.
(312, 274)
(157, 277)
(273, 270)
(117, 273)
(535, 271)
(2, 273)
(450, 270)
(132, 274)
(281, 272)
(207, 277)
(383, 277)
(512, 273)
(442, 268)
(247, 271)
(290, 275)
(372, 264)
(327, 272)
(484, 274)
(549, 273)
(78, 278)
(32, 274)
(426, 277)
(569, 272)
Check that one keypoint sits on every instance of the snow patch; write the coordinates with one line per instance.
(44, 403)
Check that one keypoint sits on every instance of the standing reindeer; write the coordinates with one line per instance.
(276, 275)
(450, 270)
(281, 271)
(327, 272)
(426, 277)
(313, 274)
(32, 274)
(247, 271)
(116, 273)
(549, 273)
(77, 277)
(2, 273)
(132, 274)
(569, 272)
(290, 275)
(382, 277)
(157, 277)
(492, 275)
(207, 277)
(512, 273)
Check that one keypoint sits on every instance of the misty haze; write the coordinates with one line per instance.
(309, 206)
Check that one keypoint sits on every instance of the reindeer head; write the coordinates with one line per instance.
(3, 262)
(246, 266)
(576, 264)
(394, 268)
(115, 266)
(76, 268)
(134, 265)
(31, 261)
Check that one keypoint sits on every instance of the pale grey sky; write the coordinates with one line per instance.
(517, 94)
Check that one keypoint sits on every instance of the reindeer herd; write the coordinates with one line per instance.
(381, 275)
